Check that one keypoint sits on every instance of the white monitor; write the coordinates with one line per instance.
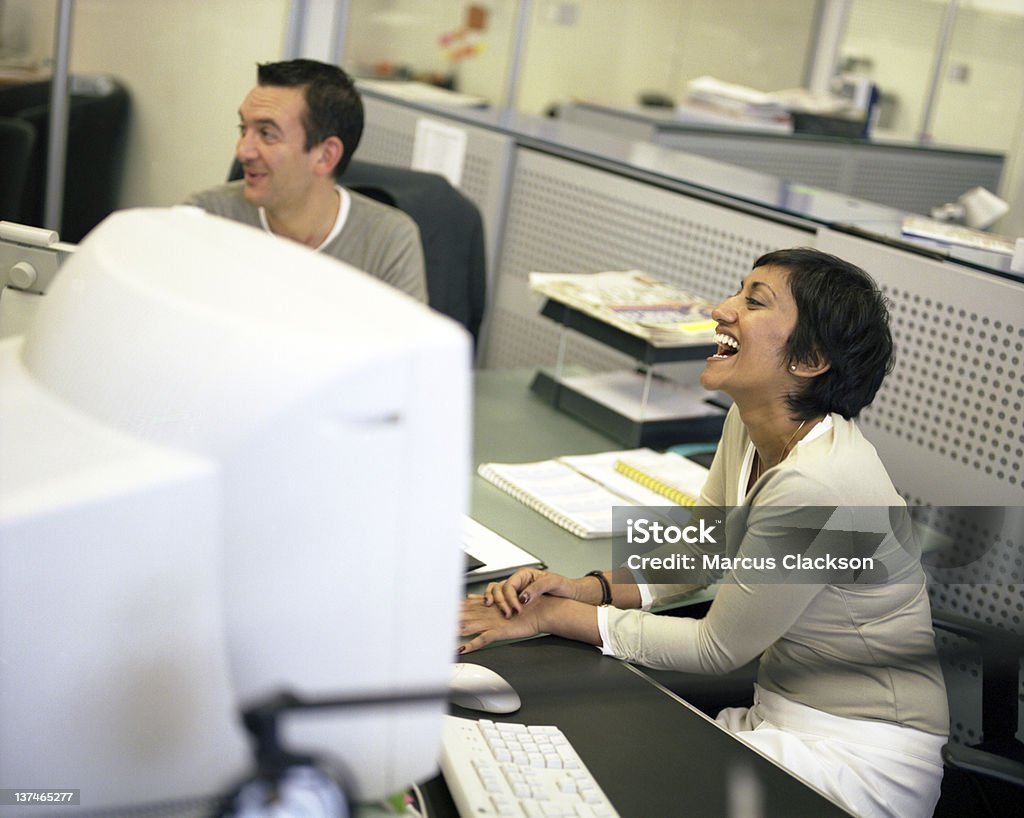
(29, 260)
(228, 466)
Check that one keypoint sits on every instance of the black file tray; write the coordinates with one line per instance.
(632, 345)
(624, 430)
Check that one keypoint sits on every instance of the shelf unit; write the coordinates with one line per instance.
(626, 430)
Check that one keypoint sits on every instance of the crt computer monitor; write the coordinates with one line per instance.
(228, 466)
(29, 260)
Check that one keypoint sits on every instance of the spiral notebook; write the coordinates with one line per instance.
(578, 492)
(668, 474)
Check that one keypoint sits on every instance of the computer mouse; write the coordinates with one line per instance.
(480, 688)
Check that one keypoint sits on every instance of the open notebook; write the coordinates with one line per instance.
(578, 492)
(490, 556)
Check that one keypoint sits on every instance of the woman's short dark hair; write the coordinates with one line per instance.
(333, 105)
(841, 316)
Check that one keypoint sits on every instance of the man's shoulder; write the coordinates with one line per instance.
(225, 200)
(383, 217)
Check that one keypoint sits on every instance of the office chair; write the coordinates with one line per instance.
(97, 130)
(16, 141)
(451, 230)
(986, 778)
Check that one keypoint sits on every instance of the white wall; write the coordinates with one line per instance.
(187, 65)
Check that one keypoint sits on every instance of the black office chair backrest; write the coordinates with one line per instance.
(985, 778)
(16, 140)
(451, 230)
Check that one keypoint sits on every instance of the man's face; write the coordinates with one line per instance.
(279, 172)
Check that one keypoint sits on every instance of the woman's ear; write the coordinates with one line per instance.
(810, 369)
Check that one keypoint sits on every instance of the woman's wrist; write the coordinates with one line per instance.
(606, 588)
(571, 618)
(593, 589)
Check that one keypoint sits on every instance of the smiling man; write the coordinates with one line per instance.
(298, 129)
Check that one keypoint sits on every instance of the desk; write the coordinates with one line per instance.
(513, 425)
(652, 753)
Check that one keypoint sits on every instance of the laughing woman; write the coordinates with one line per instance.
(849, 693)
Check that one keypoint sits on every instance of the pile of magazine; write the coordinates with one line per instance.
(634, 302)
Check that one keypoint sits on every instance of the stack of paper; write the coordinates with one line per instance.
(739, 100)
(633, 301)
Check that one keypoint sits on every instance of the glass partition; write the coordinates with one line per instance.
(978, 94)
(894, 45)
(455, 44)
(611, 52)
(980, 98)
(607, 51)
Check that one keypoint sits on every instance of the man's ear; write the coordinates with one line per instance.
(329, 153)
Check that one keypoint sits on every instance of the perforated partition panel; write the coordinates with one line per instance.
(566, 217)
(949, 425)
(389, 139)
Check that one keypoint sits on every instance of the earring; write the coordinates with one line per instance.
(792, 367)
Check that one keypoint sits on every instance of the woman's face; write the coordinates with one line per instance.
(753, 328)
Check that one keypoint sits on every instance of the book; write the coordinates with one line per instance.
(491, 556)
(633, 301)
(669, 475)
(577, 492)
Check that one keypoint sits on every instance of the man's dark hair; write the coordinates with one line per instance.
(333, 105)
(841, 316)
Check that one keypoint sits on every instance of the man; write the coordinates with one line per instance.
(298, 129)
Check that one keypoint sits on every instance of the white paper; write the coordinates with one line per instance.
(498, 555)
(622, 390)
(439, 148)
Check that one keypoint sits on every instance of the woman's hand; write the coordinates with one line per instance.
(525, 585)
(490, 625)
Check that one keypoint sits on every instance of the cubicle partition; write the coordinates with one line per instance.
(950, 417)
(566, 216)
(948, 422)
(390, 139)
(914, 178)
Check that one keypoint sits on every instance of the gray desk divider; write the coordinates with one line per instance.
(907, 176)
(949, 425)
(911, 179)
(389, 137)
(564, 216)
(948, 422)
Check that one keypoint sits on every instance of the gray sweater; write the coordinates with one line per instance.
(862, 651)
(377, 239)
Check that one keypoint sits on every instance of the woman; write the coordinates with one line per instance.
(849, 694)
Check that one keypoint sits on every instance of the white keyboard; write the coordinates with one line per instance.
(500, 768)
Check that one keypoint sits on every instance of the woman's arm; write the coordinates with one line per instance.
(527, 585)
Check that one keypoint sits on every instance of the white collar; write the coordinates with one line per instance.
(344, 205)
